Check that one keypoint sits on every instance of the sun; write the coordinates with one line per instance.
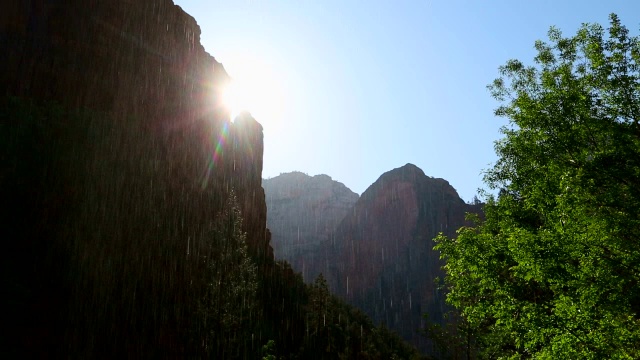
(254, 88)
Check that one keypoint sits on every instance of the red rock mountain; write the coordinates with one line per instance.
(384, 262)
(376, 251)
(302, 214)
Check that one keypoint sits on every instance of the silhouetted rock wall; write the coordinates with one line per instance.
(117, 155)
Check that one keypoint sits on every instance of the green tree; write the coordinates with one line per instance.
(268, 349)
(553, 271)
(228, 307)
(320, 316)
(453, 340)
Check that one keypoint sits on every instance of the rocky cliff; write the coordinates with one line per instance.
(302, 214)
(384, 262)
(376, 250)
(116, 156)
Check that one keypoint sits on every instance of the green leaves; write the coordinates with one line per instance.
(553, 270)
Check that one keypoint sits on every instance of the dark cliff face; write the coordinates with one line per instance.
(117, 155)
(127, 57)
(384, 258)
(303, 212)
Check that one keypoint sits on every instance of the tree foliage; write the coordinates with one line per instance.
(233, 318)
(453, 340)
(335, 330)
(553, 270)
(228, 307)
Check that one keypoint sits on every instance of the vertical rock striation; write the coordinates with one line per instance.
(376, 251)
(303, 212)
(117, 155)
(384, 262)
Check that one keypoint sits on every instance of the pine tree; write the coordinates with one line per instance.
(229, 303)
(321, 316)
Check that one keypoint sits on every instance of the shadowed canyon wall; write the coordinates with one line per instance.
(116, 156)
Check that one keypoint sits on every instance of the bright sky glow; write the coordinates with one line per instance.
(257, 88)
(354, 88)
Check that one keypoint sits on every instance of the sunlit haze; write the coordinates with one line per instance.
(353, 89)
(255, 87)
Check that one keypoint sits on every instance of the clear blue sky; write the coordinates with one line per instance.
(367, 86)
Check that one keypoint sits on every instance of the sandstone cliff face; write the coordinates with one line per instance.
(302, 214)
(111, 178)
(384, 258)
(377, 250)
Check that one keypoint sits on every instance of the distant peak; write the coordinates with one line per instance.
(304, 179)
(294, 173)
(412, 174)
(412, 168)
(287, 177)
(323, 177)
(407, 170)
(301, 175)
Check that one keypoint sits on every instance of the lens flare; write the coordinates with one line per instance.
(217, 152)
(256, 90)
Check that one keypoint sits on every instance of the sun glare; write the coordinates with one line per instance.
(254, 88)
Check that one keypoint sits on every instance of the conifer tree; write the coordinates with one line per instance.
(229, 305)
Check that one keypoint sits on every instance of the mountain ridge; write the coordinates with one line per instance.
(380, 256)
(386, 264)
(302, 211)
